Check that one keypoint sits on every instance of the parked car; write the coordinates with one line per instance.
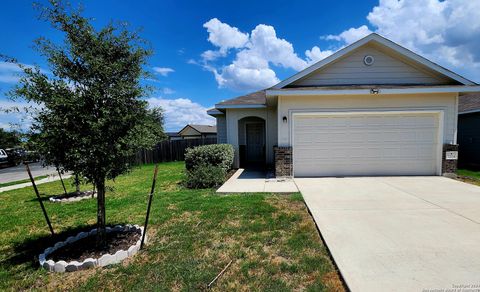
(3, 158)
(15, 155)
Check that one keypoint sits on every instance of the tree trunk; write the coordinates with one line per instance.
(101, 231)
(77, 184)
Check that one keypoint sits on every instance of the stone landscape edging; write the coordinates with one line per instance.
(104, 260)
(71, 199)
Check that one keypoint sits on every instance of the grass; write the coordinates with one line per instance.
(469, 173)
(469, 176)
(21, 181)
(271, 239)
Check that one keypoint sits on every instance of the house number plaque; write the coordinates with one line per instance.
(451, 155)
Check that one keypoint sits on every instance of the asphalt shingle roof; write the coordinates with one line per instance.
(469, 102)
(251, 98)
(205, 129)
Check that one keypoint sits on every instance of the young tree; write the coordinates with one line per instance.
(92, 119)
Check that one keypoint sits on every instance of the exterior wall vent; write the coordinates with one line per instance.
(368, 60)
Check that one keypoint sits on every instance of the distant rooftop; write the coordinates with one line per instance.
(203, 129)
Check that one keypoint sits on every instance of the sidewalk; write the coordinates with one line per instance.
(50, 178)
(248, 181)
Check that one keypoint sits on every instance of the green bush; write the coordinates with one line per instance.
(207, 165)
(205, 176)
(220, 155)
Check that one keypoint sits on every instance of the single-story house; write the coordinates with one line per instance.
(372, 108)
(172, 136)
(469, 131)
(198, 132)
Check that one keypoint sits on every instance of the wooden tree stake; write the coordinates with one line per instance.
(39, 199)
(61, 179)
(150, 197)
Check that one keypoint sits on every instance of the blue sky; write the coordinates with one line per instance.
(207, 51)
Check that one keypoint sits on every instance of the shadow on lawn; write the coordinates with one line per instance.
(27, 252)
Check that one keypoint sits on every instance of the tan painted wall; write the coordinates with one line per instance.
(387, 69)
(287, 105)
(270, 117)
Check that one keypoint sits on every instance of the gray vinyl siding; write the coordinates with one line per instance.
(387, 69)
(221, 129)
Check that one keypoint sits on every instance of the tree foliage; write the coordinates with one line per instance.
(91, 118)
(9, 139)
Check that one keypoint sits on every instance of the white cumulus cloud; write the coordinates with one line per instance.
(164, 71)
(447, 32)
(255, 53)
(181, 111)
(316, 54)
(351, 35)
(224, 36)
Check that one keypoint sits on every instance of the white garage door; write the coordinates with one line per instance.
(347, 144)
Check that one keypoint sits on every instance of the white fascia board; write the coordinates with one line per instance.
(228, 106)
(452, 89)
(469, 112)
(383, 41)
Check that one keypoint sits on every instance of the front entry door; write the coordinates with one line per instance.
(255, 134)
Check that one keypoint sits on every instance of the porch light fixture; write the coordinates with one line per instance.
(374, 91)
(284, 119)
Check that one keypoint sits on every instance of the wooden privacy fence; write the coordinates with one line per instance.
(170, 150)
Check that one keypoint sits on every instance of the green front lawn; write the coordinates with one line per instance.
(469, 173)
(271, 239)
(22, 181)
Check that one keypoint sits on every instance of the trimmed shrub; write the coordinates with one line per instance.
(220, 155)
(205, 176)
(207, 165)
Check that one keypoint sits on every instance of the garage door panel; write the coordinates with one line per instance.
(365, 144)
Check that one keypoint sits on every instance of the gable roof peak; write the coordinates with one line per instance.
(382, 41)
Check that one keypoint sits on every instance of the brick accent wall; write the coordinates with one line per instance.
(283, 161)
(449, 166)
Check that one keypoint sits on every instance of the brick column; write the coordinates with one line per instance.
(283, 161)
(449, 166)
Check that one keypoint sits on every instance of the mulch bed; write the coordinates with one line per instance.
(75, 195)
(86, 247)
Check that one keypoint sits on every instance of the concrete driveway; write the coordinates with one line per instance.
(399, 233)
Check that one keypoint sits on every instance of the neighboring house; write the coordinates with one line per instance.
(198, 131)
(372, 108)
(469, 131)
(173, 136)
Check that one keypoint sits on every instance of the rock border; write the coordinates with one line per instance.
(87, 195)
(104, 260)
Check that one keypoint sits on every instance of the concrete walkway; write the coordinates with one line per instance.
(399, 233)
(50, 178)
(246, 181)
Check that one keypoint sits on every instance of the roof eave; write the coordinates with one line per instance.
(375, 90)
(239, 106)
(469, 112)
